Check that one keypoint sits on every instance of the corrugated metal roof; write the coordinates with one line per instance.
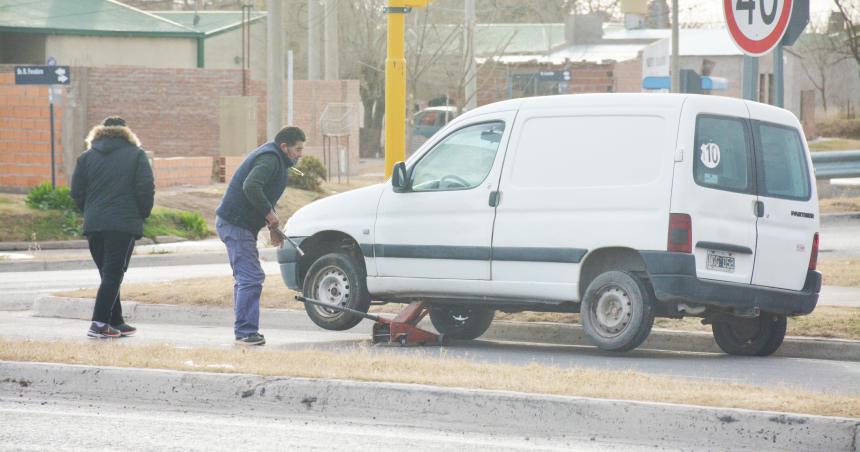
(592, 53)
(498, 39)
(88, 17)
(210, 22)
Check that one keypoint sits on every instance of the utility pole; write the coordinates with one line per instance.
(314, 39)
(471, 91)
(275, 78)
(395, 81)
(332, 72)
(676, 57)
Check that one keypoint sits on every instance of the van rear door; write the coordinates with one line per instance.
(789, 205)
(715, 184)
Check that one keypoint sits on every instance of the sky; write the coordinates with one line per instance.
(710, 12)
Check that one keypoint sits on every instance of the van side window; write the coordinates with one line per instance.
(461, 161)
(782, 163)
(722, 155)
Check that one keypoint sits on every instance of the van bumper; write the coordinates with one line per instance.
(673, 276)
(288, 259)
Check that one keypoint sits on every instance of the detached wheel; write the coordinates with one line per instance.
(335, 278)
(617, 311)
(461, 322)
(760, 336)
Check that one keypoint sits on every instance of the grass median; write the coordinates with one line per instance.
(366, 364)
(836, 322)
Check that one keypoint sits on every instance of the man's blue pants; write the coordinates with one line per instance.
(248, 276)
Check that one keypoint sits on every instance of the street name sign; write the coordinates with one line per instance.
(42, 75)
(757, 26)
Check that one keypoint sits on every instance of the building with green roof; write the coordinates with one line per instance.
(110, 33)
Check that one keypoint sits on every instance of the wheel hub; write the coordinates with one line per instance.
(612, 311)
(332, 287)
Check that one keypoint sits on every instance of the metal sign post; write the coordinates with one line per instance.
(46, 75)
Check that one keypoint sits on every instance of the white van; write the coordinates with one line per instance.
(621, 207)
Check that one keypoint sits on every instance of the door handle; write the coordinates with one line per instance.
(759, 209)
(495, 198)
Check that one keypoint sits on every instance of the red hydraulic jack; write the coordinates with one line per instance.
(401, 330)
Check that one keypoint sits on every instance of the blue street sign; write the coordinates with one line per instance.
(42, 75)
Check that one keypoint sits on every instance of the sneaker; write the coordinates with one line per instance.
(251, 339)
(104, 332)
(125, 329)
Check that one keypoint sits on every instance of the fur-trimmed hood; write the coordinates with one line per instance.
(113, 137)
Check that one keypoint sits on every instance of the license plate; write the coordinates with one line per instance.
(721, 261)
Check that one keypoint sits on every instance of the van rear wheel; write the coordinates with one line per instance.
(759, 336)
(461, 322)
(617, 311)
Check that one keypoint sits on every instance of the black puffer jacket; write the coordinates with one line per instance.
(113, 183)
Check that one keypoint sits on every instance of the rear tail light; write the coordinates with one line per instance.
(680, 233)
(813, 257)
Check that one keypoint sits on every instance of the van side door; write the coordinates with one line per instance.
(441, 227)
(789, 215)
(715, 184)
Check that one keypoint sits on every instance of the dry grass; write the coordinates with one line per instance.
(836, 144)
(840, 272)
(825, 321)
(364, 365)
(839, 205)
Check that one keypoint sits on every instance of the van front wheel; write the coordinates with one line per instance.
(336, 279)
(461, 322)
(617, 311)
(760, 336)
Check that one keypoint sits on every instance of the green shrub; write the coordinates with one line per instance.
(189, 225)
(839, 128)
(45, 197)
(314, 173)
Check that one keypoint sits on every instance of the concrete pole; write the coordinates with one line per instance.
(332, 72)
(778, 77)
(675, 70)
(471, 88)
(290, 79)
(275, 78)
(314, 38)
(749, 78)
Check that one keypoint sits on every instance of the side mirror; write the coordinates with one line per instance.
(399, 179)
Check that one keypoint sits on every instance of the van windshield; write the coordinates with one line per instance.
(782, 163)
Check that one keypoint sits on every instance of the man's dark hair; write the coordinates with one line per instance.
(290, 135)
(113, 121)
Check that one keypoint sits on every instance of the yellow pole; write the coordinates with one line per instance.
(395, 92)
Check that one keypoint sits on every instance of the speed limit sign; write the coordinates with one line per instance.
(757, 26)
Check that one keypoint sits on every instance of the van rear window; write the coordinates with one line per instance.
(782, 163)
(723, 159)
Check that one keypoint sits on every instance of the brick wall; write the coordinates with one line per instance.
(174, 112)
(25, 137)
(173, 171)
(585, 78)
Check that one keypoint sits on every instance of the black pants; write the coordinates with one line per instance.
(111, 251)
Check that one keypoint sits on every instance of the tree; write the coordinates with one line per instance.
(820, 52)
(850, 11)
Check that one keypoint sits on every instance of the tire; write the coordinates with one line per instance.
(760, 336)
(335, 278)
(461, 322)
(617, 311)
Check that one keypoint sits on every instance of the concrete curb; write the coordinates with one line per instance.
(137, 261)
(645, 423)
(535, 332)
(57, 245)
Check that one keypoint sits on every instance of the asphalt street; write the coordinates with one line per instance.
(31, 425)
(300, 333)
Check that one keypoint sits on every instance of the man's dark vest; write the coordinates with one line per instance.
(235, 207)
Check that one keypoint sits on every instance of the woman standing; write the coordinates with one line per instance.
(113, 186)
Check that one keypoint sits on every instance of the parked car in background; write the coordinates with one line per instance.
(428, 121)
